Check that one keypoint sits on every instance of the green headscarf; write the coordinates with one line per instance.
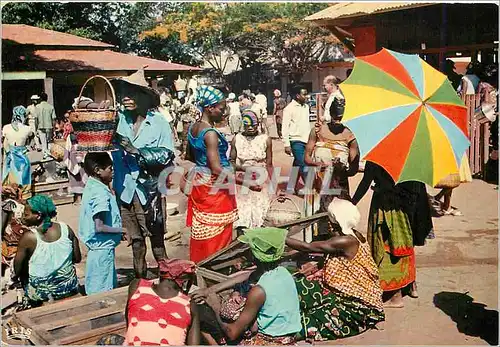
(43, 205)
(266, 244)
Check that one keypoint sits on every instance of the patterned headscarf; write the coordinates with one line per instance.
(175, 269)
(267, 244)
(249, 117)
(43, 205)
(208, 96)
(18, 116)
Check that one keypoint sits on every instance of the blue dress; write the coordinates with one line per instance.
(200, 149)
(100, 270)
(17, 166)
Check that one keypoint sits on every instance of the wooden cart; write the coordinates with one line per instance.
(220, 266)
(76, 321)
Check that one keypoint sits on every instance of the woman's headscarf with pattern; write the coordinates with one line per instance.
(248, 117)
(208, 96)
(43, 205)
(18, 116)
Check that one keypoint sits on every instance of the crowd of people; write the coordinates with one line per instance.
(345, 295)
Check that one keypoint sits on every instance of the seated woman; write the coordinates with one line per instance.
(46, 254)
(348, 298)
(273, 302)
(12, 228)
(172, 318)
(251, 150)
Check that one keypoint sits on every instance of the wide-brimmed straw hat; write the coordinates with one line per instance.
(137, 79)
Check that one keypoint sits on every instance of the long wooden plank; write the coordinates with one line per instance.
(310, 219)
(212, 275)
(37, 337)
(71, 303)
(46, 187)
(88, 337)
(83, 317)
(227, 264)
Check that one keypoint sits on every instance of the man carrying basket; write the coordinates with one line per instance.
(146, 147)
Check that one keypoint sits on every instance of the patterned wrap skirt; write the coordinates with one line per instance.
(211, 214)
(329, 315)
(391, 242)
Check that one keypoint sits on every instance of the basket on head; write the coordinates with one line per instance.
(449, 182)
(278, 214)
(94, 128)
(57, 149)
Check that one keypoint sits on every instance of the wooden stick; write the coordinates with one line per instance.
(81, 318)
(89, 336)
(236, 242)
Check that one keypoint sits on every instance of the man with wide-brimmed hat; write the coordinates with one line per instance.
(146, 147)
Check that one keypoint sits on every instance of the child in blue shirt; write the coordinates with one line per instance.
(100, 224)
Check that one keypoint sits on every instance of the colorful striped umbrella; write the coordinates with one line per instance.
(406, 116)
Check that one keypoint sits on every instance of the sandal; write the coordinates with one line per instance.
(452, 212)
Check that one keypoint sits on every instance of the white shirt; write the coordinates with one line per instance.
(471, 84)
(336, 94)
(13, 137)
(262, 101)
(257, 108)
(234, 108)
(296, 126)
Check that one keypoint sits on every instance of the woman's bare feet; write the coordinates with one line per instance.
(413, 290)
(395, 300)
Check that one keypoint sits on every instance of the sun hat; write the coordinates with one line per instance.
(138, 79)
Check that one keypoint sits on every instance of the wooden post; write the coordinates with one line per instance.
(48, 86)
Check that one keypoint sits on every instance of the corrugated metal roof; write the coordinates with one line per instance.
(30, 35)
(355, 9)
(91, 60)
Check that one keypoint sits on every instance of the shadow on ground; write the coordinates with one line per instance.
(472, 318)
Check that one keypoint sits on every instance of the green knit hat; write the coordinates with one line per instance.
(266, 244)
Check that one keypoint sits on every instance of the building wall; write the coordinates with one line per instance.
(315, 77)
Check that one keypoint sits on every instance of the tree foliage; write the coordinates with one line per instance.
(117, 23)
(257, 33)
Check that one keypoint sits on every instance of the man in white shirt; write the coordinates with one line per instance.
(296, 128)
(330, 84)
(234, 114)
(260, 112)
(262, 101)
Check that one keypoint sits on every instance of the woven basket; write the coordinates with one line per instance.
(278, 214)
(57, 149)
(94, 129)
(450, 182)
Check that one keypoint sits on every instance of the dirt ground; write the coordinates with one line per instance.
(457, 272)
